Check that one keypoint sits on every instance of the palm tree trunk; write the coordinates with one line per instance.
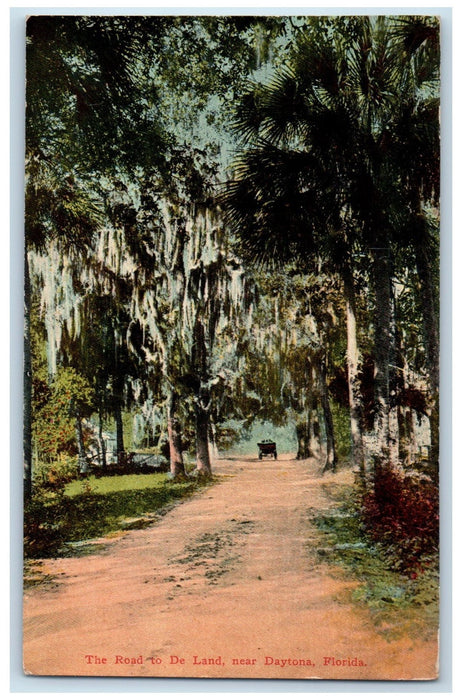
(331, 453)
(27, 434)
(431, 336)
(382, 350)
(408, 446)
(394, 423)
(354, 388)
(406, 432)
(177, 469)
(395, 380)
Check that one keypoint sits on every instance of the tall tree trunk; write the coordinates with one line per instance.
(431, 336)
(408, 445)
(83, 461)
(177, 469)
(406, 437)
(213, 439)
(331, 453)
(395, 380)
(304, 436)
(119, 435)
(382, 350)
(102, 445)
(354, 387)
(394, 423)
(203, 464)
(27, 388)
(315, 443)
(202, 401)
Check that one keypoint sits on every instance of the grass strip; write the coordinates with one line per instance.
(96, 507)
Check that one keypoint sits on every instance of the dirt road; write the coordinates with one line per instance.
(226, 585)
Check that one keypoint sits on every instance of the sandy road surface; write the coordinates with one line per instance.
(225, 585)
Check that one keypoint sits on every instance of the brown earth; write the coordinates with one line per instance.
(226, 585)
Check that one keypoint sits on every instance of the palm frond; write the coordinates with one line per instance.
(277, 203)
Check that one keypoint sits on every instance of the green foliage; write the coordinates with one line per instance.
(57, 471)
(59, 206)
(56, 409)
(339, 161)
(126, 117)
(53, 430)
(73, 392)
(201, 65)
(85, 89)
(327, 144)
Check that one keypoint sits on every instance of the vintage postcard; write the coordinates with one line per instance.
(231, 347)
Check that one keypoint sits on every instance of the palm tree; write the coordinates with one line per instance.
(319, 175)
(418, 129)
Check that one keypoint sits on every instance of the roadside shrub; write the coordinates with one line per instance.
(43, 518)
(401, 513)
(55, 410)
(57, 474)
